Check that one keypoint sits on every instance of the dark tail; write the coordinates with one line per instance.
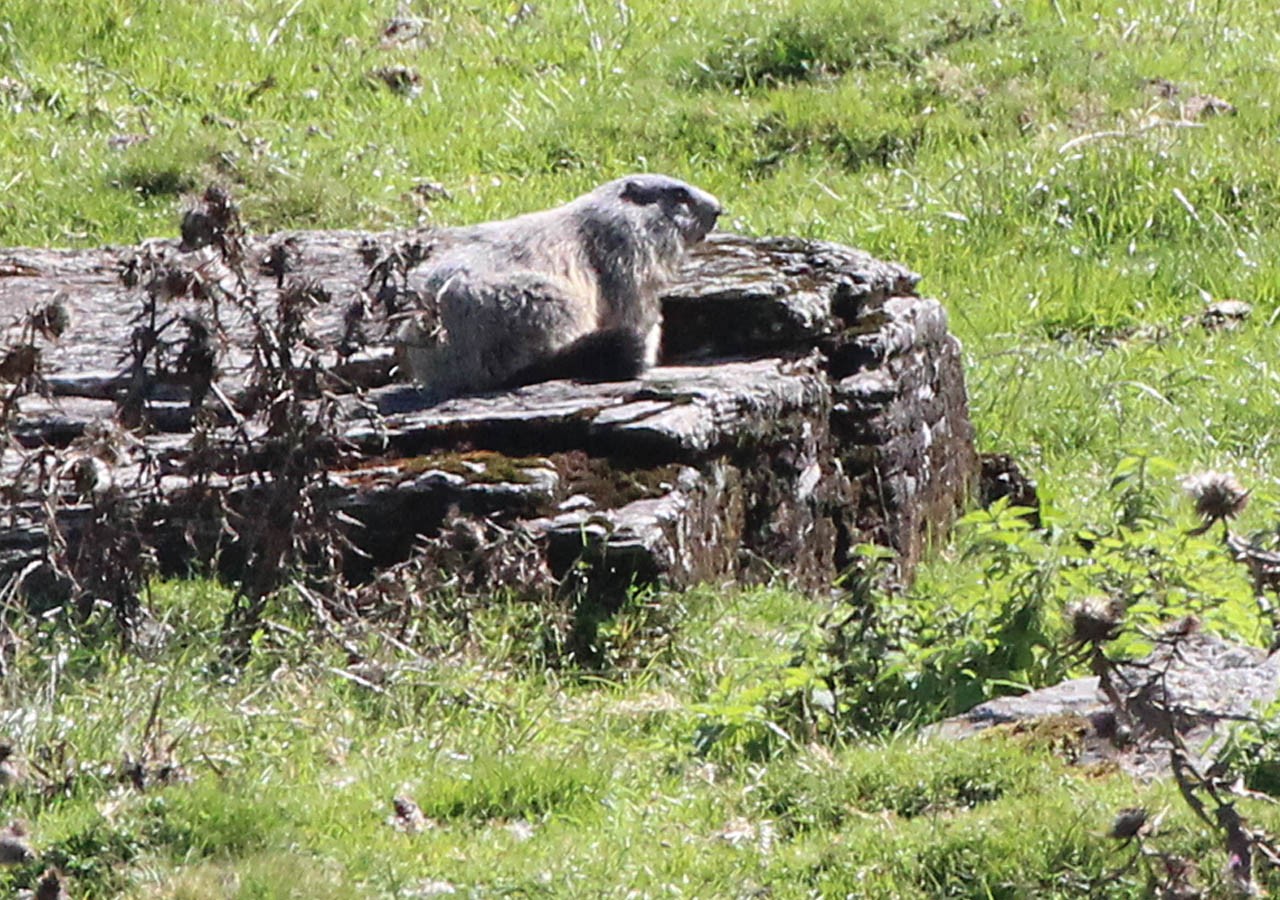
(615, 355)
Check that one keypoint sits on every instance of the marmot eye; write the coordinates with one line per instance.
(682, 196)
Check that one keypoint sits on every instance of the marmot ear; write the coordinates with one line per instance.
(632, 192)
(641, 191)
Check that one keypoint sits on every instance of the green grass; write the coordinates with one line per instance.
(927, 132)
(532, 783)
(1008, 154)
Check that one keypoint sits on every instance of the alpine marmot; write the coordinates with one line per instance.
(570, 292)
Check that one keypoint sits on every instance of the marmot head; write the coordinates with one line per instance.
(693, 211)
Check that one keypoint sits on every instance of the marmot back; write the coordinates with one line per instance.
(569, 292)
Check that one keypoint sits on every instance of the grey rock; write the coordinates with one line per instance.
(1193, 687)
(807, 400)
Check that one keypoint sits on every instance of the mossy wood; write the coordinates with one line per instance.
(808, 400)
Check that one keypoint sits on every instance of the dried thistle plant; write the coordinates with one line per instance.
(21, 362)
(1128, 823)
(1095, 620)
(1218, 496)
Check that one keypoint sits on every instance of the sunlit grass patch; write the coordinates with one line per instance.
(1039, 167)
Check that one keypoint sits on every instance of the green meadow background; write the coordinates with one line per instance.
(1040, 163)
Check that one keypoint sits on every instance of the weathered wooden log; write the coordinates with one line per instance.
(807, 400)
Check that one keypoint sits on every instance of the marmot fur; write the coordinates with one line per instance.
(570, 292)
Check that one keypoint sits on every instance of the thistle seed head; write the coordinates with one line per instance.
(1128, 822)
(1217, 495)
(1095, 620)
